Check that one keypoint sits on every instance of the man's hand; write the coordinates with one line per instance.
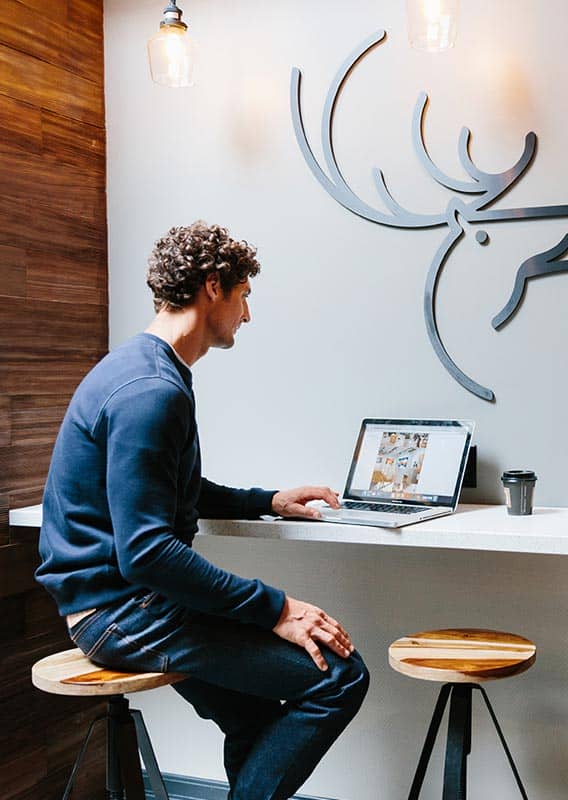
(304, 624)
(292, 503)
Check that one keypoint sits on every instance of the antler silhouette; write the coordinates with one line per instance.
(489, 187)
(336, 185)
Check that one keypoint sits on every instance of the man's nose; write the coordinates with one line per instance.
(246, 312)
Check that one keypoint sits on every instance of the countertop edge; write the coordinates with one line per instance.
(472, 527)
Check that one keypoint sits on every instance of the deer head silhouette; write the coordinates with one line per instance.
(487, 188)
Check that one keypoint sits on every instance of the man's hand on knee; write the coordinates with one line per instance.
(304, 624)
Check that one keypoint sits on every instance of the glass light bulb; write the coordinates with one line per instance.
(171, 57)
(432, 24)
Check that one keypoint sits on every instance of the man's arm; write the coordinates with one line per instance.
(144, 428)
(224, 502)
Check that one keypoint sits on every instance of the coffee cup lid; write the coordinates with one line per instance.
(519, 475)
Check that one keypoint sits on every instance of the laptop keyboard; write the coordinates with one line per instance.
(390, 508)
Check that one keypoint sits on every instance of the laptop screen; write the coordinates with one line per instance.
(409, 461)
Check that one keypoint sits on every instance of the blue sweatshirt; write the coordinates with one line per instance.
(124, 493)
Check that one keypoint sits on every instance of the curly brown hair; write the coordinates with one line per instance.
(181, 261)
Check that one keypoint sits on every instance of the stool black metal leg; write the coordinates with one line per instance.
(130, 762)
(468, 726)
(149, 757)
(130, 767)
(503, 742)
(458, 743)
(429, 741)
(114, 787)
(126, 735)
(80, 756)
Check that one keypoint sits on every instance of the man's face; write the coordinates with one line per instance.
(230, 312)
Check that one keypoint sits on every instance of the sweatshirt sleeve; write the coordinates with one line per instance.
(224, 502)
(145, 425)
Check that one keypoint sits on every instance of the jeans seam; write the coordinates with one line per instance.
(148, 599)
(100, 641)
(84, 625)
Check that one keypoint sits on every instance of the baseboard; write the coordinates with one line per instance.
(180, 787)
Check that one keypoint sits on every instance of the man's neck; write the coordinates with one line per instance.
(183, 331)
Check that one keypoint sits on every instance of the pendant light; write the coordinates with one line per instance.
(170, 51)
(432, 24)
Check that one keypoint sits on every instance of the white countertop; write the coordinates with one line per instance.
(470, 528)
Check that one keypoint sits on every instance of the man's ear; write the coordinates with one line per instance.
(212, 286)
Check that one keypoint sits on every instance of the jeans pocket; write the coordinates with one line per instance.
(116, 648)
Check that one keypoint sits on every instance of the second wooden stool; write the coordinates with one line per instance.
(461, 659)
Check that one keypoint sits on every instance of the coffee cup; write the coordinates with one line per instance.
(519, 489)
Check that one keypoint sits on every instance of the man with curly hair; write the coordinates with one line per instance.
(124, 493)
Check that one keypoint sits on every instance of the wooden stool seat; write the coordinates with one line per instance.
(461, 655)
(461, 659)
(71, 672)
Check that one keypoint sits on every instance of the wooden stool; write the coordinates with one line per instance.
(71, 672)
(462, 659)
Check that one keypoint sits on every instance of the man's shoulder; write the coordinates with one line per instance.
(139, 358)
(127, 375)
(161, 388)
(145, 406)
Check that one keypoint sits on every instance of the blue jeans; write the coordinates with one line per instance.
(237, 676)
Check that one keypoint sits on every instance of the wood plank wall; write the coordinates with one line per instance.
(53, 329)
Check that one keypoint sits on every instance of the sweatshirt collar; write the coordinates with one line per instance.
(183, 366)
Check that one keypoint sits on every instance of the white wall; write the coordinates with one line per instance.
(380, 594)
(284, 405)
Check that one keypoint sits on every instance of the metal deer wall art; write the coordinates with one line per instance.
(486, 188)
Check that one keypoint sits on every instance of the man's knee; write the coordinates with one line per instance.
(361, 676)
(352, 677)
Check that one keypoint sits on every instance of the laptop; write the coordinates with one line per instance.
(404, 471)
